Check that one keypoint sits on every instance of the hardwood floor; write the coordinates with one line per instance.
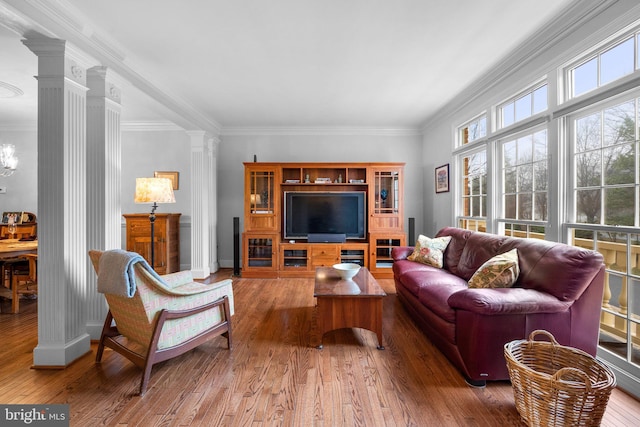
(273, 375)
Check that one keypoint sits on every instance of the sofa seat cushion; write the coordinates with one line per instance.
(434, 293)
(506, 301)
(424, 275)
(404, 266)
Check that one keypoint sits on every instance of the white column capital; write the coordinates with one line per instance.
(100, 84)
(54, 59)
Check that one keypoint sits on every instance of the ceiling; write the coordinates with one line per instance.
(223, 65)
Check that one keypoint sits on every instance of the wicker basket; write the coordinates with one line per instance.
(554, 385)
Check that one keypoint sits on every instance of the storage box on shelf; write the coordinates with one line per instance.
(266, 187)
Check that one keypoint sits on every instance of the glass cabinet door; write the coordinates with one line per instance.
(386, 192)
(261, 199)
(385, 199)
(261, 195)
(260, 252)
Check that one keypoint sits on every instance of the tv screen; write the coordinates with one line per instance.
(340, 212)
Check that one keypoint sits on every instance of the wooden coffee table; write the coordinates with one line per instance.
(355, 303)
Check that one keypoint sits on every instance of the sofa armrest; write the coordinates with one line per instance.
(507, 301)
(401, 252)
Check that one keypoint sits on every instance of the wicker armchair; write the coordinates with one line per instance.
(165, 319)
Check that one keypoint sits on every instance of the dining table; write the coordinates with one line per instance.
(11, 248)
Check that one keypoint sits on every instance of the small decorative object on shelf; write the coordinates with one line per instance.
(306, 179)
(340, 178)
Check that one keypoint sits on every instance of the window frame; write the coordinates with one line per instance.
(459, 137)
(528, 90)
(500, 184)
(596, 51)
(571, 202)
(460, 175)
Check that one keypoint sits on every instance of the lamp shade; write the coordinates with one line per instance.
(154, 190)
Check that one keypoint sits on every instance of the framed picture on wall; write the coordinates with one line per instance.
(173, 176)
(442, 178)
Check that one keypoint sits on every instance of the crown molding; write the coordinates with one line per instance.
(569, 20)
(151, 126)
(318, 130)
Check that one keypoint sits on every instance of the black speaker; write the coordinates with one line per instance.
(412, 231)
(326, 238)
(236, 246)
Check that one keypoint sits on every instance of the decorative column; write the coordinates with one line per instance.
(62, 248)
(104, 152)
(213, 144)
(200, 214)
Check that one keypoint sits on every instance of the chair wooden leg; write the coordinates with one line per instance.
(227, 314)
(15, 301)
(146, 374)
(106, 328)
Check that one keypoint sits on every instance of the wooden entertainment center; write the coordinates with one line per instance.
(267, 253)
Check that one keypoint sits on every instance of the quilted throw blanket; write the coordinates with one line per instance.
(116, 275)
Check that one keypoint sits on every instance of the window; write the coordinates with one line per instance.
(473, 131)
(606, 66)
(605, 166)
(606, 185)
(523, 106)
(524, 177)
(473, 190)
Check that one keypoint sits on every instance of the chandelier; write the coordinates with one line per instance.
(8, 159)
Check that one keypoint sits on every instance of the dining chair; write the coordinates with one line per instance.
(24, 279)
(22, 232)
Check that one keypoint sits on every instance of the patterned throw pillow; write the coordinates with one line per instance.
(501, 271)
(430, 251)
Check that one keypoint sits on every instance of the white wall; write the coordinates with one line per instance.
(236, 149)
(144, 152)
(22, 194)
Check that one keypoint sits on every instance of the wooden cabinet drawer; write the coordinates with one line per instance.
(325, 255)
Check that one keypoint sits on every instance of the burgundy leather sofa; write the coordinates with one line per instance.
(559, 289)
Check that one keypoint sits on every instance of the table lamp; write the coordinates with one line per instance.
(154, 190)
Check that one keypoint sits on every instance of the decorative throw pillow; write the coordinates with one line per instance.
(501, 271)
(430, 251)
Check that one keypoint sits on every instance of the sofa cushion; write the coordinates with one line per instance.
(430, 251)
(561, 270)
(506, 301)
(435, 295)
(429, 276)
(455, 247)
(501, 271)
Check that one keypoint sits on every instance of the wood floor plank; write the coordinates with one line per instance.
(274, 375)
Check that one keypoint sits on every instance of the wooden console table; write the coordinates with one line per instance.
(355, 303)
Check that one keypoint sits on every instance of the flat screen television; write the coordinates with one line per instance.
(338, 212)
